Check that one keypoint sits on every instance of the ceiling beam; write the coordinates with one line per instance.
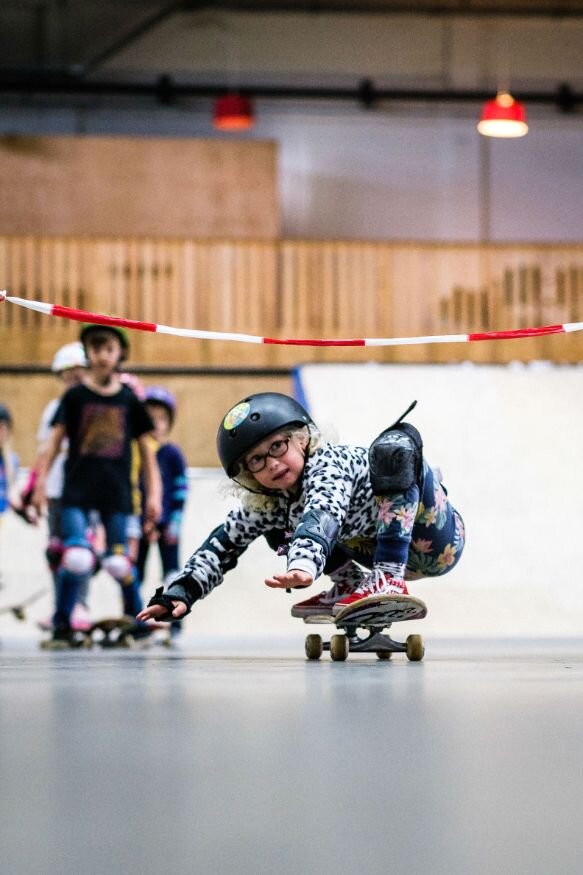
(494, 8)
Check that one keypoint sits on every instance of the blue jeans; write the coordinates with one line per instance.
(74, 526)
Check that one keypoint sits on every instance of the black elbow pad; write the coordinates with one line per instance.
(321, 527)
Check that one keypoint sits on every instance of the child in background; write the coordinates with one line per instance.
(161, 405)
(333, 509)
(69, 365)
(101, 417)
(135, 521)
(8, 460)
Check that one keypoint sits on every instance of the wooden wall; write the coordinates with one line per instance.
(293, 288)
(202, 400)
(132, 186)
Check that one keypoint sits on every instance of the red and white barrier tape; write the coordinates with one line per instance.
(137, 325)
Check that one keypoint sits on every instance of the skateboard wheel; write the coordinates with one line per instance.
(415, 648)
(314, 646)
(384, 655)
(339, 647)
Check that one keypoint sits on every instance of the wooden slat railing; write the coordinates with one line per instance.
(293, 288)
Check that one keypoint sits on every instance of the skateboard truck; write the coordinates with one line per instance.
(372, 619)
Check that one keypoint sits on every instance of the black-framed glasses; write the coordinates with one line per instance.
(257, 461)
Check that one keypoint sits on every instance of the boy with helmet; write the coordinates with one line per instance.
(332, 509)
(100, 417)
(161, 405)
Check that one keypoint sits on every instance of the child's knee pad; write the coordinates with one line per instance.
(78, 560)
(396, 459)
(119, 566)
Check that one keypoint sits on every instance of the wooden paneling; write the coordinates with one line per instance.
(131, 186)
(292, 288)
(202, 400)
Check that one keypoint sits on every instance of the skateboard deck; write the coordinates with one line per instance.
(121, 632)
(363, 625)
(111, 632)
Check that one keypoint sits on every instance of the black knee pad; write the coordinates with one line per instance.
(396, 459)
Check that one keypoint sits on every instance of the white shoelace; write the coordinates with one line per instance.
(377, 582)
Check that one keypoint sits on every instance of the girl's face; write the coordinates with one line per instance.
(160, 418)
(280, 460)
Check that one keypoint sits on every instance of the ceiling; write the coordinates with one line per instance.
(64, 46)
(81, 35)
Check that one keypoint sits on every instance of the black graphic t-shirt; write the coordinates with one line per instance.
(100, 429)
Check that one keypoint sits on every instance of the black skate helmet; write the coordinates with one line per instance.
(251, 421)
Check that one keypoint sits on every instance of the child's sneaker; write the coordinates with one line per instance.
(346, 580)
(64, 638)
(380, 581)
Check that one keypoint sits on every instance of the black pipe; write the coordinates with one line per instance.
(165, 90)
(463, 8)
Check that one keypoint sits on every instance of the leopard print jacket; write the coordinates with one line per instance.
(336, 479)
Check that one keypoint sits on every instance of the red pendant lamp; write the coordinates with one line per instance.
(503, 117)
(233, 112)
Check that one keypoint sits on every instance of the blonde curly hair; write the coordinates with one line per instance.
(249, 491)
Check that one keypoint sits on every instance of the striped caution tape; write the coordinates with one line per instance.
(137, 325)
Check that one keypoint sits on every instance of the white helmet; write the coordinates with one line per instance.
(72, 355)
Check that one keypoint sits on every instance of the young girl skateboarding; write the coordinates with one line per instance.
(369, 518)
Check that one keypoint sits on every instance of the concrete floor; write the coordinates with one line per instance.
(231, 758)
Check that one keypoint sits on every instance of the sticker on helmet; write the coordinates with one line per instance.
(236, 415)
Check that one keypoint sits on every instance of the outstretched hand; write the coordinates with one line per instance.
(158, 611)
(290, 580)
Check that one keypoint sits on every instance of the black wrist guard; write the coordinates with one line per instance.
(161, 598)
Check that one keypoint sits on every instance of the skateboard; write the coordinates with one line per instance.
(362, 627)
(110, 632)
(18, 610)
(121, 632)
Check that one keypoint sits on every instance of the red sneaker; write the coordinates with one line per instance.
(346, 579)
(378, 582)
(319, 605)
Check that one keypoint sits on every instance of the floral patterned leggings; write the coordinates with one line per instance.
(426, 533)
